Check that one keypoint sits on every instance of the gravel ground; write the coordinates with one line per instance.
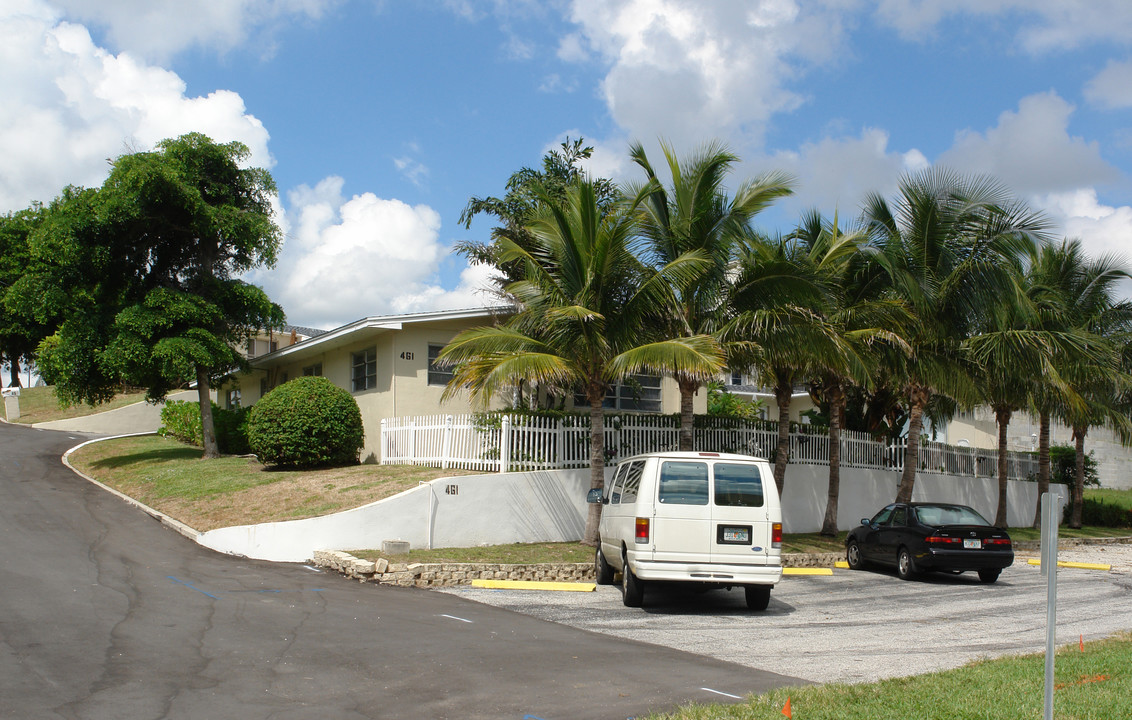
(859, 626)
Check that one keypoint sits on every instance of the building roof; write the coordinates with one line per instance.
(324, 340)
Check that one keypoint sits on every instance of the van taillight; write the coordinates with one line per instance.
(776, 535)
(642, 530)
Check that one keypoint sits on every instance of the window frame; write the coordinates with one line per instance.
(367, 379)
(437, 377)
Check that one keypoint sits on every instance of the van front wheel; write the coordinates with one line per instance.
(603, 571)
(758, 596)
(632, 589)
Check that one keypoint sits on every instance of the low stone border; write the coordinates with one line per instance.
(448, 574)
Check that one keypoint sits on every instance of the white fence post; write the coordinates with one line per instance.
(446, 445)
(505, 445)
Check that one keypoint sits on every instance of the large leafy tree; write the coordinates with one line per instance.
(583, 304)
(151, 266)
(694, 214)
(561, 168)
(952, 244)
(20, 330)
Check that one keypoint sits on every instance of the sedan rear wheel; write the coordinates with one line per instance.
(905, 564)
(989, 575)
(853, 556)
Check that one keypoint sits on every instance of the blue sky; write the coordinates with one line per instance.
(380, 119)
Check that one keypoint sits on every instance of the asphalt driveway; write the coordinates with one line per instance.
(851, 626)
(105, 613)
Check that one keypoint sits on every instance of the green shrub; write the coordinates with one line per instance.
(1102, 514)
(180, 419)
(307, 422)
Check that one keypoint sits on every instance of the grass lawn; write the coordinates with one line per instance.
(1092, 685)
(40, 405)
(169, 476)
(1123, 498)
(516, 554)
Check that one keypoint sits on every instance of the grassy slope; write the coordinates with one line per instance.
(169, 476)
(40, 405)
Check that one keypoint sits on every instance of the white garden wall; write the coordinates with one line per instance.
(549, 506)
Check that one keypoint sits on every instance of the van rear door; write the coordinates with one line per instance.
(741, 526)
(682, 516)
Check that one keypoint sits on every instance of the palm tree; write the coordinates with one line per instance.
(695, 215)
(582, 309)
(776, 327)
(951, 243)
(864, 320)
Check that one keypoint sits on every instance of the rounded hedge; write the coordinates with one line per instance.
(307, 422)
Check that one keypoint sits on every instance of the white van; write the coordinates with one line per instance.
(698, 517)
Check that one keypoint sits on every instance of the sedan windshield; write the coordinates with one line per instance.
(949, 515)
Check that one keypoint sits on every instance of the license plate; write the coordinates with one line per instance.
(975, 544)
(736, 535)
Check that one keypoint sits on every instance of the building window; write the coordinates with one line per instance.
(233, 399)
(364, 373)
(313, 370)
(437, 375)
(640, 393)
(736, 378)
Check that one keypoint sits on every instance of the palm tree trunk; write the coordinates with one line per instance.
(782, 392)
(688, 388)
(1078, 476)
(836, 419)
(917, 401)
(1002, 417)
(1043, 464)
(208, 428)
(597, 464)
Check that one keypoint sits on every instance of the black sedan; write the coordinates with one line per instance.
(930, 536)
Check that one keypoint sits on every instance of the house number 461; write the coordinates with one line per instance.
(406, 356)
(451, 489)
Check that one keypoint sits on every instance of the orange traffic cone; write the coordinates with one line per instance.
(786, 708)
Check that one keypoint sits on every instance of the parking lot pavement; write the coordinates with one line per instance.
(851, 626)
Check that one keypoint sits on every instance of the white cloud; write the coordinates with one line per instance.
(1031, 150)
(1103, 229)
(70, 105)
(837, 173)
(1111, 87)
(689, 71)
(345, 259)
(158, 29)
(1044, 24)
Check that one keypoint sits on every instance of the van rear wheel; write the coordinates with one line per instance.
(603, 571)
(758, 596)
(632, 588)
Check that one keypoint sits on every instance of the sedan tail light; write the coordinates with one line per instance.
(642, 530)
(941, 540)
(997, 541)
(776, 535)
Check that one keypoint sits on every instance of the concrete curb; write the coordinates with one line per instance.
(161, 517)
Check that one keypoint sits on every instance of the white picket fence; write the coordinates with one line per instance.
(506, 443)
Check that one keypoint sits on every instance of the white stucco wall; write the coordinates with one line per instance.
(549, 506)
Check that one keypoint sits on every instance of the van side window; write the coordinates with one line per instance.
(738, 485)
(683, 483)
(618, 481)
(632, 481)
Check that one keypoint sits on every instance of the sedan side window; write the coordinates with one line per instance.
(881, 518)
(900, 517)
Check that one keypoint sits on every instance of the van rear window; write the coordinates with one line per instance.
(738, 485)
(683, 483)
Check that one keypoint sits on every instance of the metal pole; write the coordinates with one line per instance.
(1050, 508)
